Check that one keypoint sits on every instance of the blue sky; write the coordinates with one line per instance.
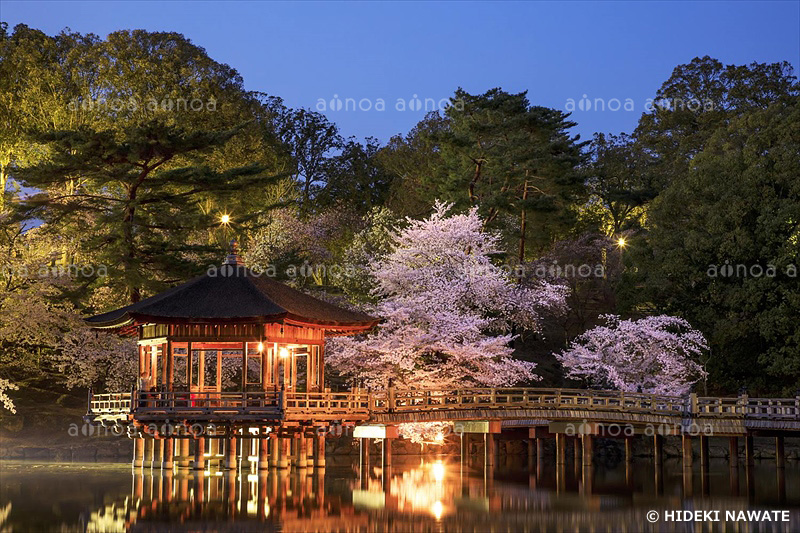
(310, 52)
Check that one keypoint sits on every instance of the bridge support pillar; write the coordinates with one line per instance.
(658, 449)
(387, 453)
(263, 452)
(230, 453)
(531, 444)
(301, 451)
(748, 450)
(319, 450)
(169, 454)
(149, 448)
(628, 450)
(561, 449)
(704, 456)
(158, 452)
(200, 453)
(365, 446)
(588, 450)
(733, 452)
(686, 447)
(491, 448)
(283, 443)
(577, 443)
(138, 452)
(183, 445)
(780, 454)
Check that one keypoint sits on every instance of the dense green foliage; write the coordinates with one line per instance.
(127, 151)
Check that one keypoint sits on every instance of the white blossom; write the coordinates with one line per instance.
(656, 354)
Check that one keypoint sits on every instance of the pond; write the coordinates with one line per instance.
(416, 494)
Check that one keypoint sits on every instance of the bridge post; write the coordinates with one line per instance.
(199, 453)
(561, 449)
(531, 451)
(149, 447)
(629, 450)
(491, 447)
(704, 452)
(780, 454)
(138, 452)
(748, 450)
(658, 448)
(365, 446)
(588, 449)
(577, 443)
(284, 443)
(230, 452)
(169, 454)
(301, 450)
(183, 445)
(733, 453)
(387, 452)
(263, 450)
(273, 450)
(319, 450)
(158, 452)
(686, 442)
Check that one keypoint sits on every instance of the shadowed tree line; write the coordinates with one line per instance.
(141, 153)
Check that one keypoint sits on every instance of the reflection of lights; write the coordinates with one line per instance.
(438, 471)
(283, 352)
(260, 346)
(437, 508)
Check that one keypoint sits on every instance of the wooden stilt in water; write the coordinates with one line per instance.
(169, 454)
(588, 449)
(319, 450)
(284, 443)
(301, 453)
(733, 453)
(230, 453)
(138, 452)
(658, 448)
(263, 452)
(387, 453)
(199, 454)
(780, 454)
(561, 448)
(686, 447)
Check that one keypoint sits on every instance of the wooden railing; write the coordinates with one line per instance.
(404, 400)
(329, 403)
(360, 403)
(111, 403)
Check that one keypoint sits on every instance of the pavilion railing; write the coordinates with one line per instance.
(113, 403)
(152, 402)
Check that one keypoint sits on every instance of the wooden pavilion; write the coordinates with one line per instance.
(232, 329)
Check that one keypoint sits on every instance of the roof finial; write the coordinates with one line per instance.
(233, 254)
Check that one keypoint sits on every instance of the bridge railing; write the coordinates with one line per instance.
(113, 403)
(403, 400)
(356, 402)
(774, 408)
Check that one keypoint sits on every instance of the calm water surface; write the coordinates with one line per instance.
(417, 494)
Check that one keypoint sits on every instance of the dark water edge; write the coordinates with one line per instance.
(417, 494)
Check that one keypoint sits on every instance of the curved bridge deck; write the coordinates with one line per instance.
(720, 416)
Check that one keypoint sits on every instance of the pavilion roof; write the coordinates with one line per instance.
(234, 293)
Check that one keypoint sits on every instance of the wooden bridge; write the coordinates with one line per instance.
(545, 413)
(395, 406)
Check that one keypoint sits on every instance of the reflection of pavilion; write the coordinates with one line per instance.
(429, 496)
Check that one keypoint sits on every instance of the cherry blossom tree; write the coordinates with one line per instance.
(447, 310)
(89, 358)
(5, 400)
(656, 354)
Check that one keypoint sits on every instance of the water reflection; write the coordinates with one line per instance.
(430, 494)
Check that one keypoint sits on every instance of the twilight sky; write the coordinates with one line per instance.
(310, 53)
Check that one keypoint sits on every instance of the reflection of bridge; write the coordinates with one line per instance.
(557, 413)
(428, 497)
